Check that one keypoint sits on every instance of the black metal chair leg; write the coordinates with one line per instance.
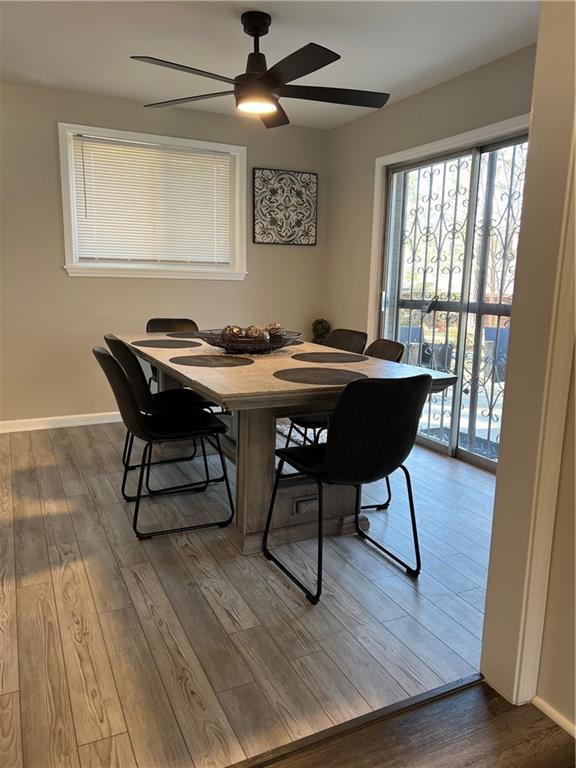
(313, 597)
(144, 471)
(411, 571)
(289, 437)
(415, 571)
(386, 504)
(145, 458)
(205, 460)
(125, 451)
(226, 483)
(176, 460)
(128, 451)
(277, 476)
(196, 487)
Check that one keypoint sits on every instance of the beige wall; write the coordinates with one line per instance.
(557, 670)
(489, 94)
(50, 321)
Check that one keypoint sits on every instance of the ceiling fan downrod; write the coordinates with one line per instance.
(256, 24)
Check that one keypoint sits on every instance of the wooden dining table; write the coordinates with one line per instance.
(257, 398)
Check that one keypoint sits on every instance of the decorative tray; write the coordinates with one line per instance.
(248, 346)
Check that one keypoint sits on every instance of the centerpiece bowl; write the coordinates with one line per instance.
(243, 345)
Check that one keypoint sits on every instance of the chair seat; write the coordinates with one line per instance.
(311, 420)
(182, 425)
(180, 398)
(308, 459)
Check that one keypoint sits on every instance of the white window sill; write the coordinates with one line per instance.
(175, 273)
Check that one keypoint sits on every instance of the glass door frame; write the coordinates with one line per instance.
(390, 283)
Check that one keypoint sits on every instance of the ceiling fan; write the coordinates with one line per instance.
(259, 89)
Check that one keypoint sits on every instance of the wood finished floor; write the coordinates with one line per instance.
(470, 728)
(181, 652)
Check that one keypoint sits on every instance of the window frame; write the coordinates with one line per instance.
(234, 270)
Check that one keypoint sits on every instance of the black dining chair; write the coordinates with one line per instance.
(169, 400)
(169, 325)
(339, 338)
(346, 340)
(372, 431)
(163, 426)
(384, 349)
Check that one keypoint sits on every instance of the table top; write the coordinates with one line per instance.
(254, 385)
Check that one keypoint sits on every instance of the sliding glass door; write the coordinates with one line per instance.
(450, 260)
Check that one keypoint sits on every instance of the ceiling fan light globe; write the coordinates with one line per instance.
(256, 106)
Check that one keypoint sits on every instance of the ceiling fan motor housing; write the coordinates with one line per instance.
(248, 85)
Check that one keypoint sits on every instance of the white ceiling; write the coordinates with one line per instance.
(400, 47)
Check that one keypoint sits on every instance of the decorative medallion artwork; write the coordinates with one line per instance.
(285, 207)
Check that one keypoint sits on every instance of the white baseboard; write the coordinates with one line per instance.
(53, 422)
(554, 715)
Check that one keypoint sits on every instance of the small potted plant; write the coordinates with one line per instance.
(320, 330)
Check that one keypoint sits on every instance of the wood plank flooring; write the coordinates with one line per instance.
(470, 728)
(178, 651)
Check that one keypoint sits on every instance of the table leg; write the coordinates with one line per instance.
(296, 508)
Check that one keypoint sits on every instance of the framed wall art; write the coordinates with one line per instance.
(285, 207)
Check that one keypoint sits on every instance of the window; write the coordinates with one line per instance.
(137, 205)
(453, 226)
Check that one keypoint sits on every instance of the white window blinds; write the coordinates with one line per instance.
(149, 203)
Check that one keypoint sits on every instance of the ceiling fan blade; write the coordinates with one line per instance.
(182, 68)
(186, 99)
(302, 62)
(348, 96)
(275, 119)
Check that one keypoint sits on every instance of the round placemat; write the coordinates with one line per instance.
(319, 375)
(211, 361)
(329, 357)
(182, 335)
(166, 343)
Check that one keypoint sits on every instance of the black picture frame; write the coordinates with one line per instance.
(300, 227)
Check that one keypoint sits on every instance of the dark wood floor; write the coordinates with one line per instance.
(179, 651)
(473, 728)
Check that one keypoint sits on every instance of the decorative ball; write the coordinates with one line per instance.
(275, 329)
(253, 332)
(232, 332)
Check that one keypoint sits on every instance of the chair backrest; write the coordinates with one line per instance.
(385, 349)
(126, 400)
(133, 371)
(171, 325)
(373, 428)
(347, 340)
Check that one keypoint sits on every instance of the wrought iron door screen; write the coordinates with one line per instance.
(450, 258)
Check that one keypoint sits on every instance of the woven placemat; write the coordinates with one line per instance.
(329, 357)
(181, 335)
(319, 375)
(166, 343)
(211, 361)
